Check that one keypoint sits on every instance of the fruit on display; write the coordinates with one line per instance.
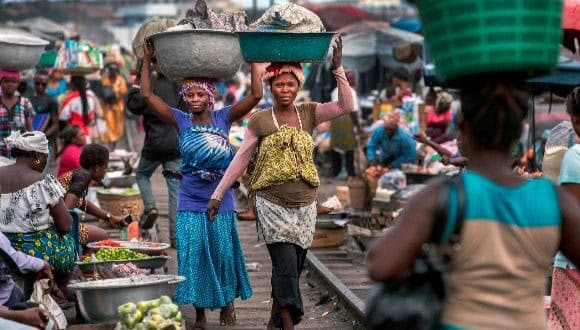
(156, 314)
(108, 242)
(376, 171)
(114, 254)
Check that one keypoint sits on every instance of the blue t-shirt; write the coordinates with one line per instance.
(60, 89)
(194, 191)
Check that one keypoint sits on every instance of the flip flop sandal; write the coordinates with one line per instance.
(149, 218)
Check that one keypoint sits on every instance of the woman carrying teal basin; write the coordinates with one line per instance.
(512, 226)
(209, 253)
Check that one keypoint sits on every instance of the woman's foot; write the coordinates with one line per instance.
(228, 315)
(199, 319)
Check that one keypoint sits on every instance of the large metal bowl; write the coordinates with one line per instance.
(20, 52)
(98, 300)
(197, 53)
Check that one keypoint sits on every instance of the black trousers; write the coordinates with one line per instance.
(287, 264)
(337, 163)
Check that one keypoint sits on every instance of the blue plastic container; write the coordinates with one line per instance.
(284, 46)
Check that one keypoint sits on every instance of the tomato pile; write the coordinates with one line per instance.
(108, 242)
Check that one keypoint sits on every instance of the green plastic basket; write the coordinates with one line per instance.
(469, 37)
(48, 59)
(284, 46)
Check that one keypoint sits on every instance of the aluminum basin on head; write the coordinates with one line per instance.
(198, 53)
(19, 52)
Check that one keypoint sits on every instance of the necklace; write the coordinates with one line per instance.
(276, 120)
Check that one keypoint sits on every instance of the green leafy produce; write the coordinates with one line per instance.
(115, 254)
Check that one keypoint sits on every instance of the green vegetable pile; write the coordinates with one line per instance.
(115, 254)
(157, 314)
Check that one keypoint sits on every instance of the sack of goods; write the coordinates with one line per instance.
(286, 33)
(79, 57)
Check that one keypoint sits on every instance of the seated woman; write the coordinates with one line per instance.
(439, 118)
(73, 140)
(94, 160)
(33, 214)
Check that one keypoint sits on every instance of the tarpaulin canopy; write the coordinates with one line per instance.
(336, 16)
(369, 43)
(45, 26)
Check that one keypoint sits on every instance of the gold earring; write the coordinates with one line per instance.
(36, 164)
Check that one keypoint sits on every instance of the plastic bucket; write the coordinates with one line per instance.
(358, 189)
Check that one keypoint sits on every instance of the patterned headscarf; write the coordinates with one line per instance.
(207, 85)
(275, 69)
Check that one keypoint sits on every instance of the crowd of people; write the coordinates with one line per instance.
(55, 143)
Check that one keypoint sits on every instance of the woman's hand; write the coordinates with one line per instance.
(337, 53)
(117, 221)
(148, 50)
(34, 317)
(45, 272)
(212, 208)
(421, 137)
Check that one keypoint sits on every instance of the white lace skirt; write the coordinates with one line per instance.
(279, 224)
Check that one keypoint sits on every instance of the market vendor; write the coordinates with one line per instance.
(16, 112)
(93, 160)
(284, 178)
(439, 118)
(390, 145)
(209, 253)
(33, 215)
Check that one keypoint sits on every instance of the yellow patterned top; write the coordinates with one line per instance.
(285, 155)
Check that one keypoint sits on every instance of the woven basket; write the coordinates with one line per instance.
(121, 204)
(472, 37)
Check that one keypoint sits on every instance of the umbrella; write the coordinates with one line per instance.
(367, 42)
(336, 16)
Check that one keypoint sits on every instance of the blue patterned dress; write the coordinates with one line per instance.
(209, 253)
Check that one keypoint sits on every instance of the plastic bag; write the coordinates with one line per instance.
(393, 179)
(41, 296)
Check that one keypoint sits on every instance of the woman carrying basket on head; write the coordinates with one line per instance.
(209, 254)
(285, 178)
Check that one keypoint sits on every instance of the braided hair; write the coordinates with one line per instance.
(494, 112)
(79, 83)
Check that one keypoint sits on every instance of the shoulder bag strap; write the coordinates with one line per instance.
(442, 211)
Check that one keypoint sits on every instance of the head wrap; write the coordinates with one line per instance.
(443, 98)
(9, 74)
(207, 85)
(29, 141)
(276, 69)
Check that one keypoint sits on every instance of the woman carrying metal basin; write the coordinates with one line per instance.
(285, 178)
(209, 252)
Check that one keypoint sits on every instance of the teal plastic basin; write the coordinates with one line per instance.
(284, 46)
